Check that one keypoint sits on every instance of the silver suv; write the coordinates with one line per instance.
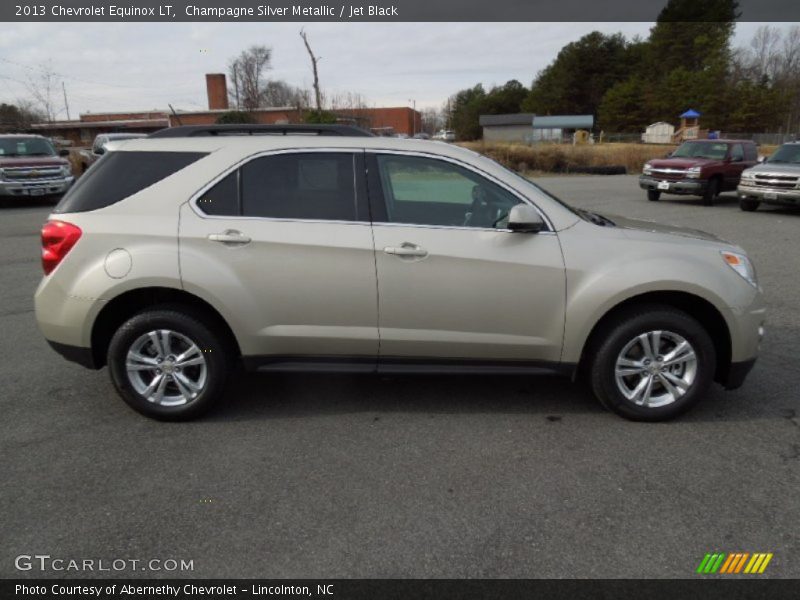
(775, 181)
(179, 256)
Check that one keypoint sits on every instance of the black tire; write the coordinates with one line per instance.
(748, 204)
(712, 191)
(653, 195)
(615, 336)
(216, 351)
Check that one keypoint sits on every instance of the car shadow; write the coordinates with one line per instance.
(260, 396)
(28, 201)
(724, 199)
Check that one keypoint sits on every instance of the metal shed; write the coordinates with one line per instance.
(507, 128)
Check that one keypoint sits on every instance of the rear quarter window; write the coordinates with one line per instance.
(118, 175)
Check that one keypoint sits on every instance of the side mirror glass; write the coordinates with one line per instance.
(524, 218)
(63, 152)
(100, 150)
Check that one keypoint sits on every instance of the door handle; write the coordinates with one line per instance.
(229, 236)
(406, 249)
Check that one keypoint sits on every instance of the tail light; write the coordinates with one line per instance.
(58, 238)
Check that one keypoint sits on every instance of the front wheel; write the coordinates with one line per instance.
(168, 365)
(653, 195)
(748, 205)
(652, 363)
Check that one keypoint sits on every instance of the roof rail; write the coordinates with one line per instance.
(220, 130)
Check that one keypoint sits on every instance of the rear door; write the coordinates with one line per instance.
(455, 284)
(284, 245)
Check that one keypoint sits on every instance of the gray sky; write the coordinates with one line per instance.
(137, 66)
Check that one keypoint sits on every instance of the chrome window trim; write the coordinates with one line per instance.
(301, 150)
(478, 171)
(251, 157)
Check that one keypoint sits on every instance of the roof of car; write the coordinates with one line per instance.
(21, 135)
(723, 141)
(261, 143)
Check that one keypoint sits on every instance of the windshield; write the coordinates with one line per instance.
(701, 150)
(20, 146)
(788, 153)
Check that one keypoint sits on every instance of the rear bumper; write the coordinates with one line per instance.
(35, 188)
(769, 196)
(691, 187)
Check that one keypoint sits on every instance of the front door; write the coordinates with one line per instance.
(453, 282)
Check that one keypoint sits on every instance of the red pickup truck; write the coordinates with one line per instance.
(30, 166)
(699, 168)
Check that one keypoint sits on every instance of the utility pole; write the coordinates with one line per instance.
(413, 117)
(66, 104)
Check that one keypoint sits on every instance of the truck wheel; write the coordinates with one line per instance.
(748, 205)
(169, 365)
(652, 363)
(653, 195)
(712, 191)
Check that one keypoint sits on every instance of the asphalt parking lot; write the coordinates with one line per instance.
(366, 476)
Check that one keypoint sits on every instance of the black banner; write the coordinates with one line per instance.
(387, 589)
(369, 10)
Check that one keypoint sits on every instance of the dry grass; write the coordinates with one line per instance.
(563, 158)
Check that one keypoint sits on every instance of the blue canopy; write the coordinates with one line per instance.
(690, 114)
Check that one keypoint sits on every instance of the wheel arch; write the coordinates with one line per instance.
(697, 307)
(119, 309)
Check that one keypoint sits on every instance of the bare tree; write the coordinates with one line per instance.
(247, 74)
(314, 61)
(280, 93)
(765, 51)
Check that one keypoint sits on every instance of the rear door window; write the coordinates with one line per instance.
(313, 186)
(118, 175)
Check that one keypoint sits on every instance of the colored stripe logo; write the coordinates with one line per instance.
(734, 563)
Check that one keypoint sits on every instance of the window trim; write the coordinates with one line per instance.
(360, 205)
(374, 152)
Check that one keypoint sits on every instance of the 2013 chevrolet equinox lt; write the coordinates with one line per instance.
(178, 256)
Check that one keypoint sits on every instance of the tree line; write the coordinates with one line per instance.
(686, 62)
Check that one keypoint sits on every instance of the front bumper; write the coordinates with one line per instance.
(690, 187)
(769, 195)
(35, 188)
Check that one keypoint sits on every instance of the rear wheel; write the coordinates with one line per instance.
(168, 365)
(711, 193)
(653, 195)
(748, 205)
(652, 363)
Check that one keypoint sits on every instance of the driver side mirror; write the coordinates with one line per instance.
(99, 150)
(523, 218)
(63, 152)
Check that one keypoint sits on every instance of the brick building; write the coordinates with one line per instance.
(383, 121)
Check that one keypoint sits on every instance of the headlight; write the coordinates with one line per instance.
(748, 175)
(647, 169)
(1, 173)
(693, 172)
(742, 265)
(66, 171)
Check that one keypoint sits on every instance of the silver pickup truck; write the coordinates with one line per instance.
(775, 181)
